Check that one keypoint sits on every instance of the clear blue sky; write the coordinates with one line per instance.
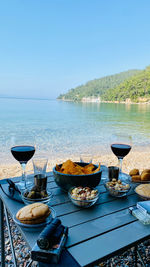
(50, 46)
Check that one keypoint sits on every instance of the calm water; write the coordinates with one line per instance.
(71, 128)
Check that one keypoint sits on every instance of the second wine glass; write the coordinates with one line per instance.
(121, 145)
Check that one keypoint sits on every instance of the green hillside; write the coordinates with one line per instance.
(98, 87)
(136, 88)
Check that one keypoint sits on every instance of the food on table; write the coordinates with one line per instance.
(33, 214)
(145, 176)
(83, 193)
(83, 196)
(66, 178)
(137, 177)
(38, 191)
(70, 167)
(117, 188)
(117, 185)
(146, 170)
(134, 172)
(143, 190)
(35, 193)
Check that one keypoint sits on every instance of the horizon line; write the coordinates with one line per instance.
(27, 98)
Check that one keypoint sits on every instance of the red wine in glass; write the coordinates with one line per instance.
(23, 153)
(121, 145)
(22, 149)
(120, 150)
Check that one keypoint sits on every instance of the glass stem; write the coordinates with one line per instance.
(120, 164)
(23, 165)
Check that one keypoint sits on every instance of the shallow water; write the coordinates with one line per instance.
(65, 128)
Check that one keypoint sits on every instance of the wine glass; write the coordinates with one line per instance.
(121, 145)
(23, 149)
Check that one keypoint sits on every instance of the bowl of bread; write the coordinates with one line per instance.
(34, 216)
(140, 177)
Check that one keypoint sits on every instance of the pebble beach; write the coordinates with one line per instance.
(127, 259)
(22, 252)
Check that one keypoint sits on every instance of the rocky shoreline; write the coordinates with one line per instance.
(98, 100)
(22, 252)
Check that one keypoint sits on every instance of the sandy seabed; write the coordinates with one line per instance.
(137, 158)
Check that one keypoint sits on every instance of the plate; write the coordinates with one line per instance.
(36, 227)
(143, 197)
(140, 182)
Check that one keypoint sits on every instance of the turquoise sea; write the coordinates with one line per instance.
(65, 128)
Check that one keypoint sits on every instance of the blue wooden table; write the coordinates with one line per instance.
(95, 234)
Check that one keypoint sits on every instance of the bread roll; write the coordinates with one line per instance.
(145, 176)
(136, 178)
(33, 214)
(145, 171)
(134, 172)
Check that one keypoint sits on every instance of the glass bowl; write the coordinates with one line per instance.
(28, 200)
(83, 203)
(117, 192)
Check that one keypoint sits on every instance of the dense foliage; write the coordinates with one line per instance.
(98, 87)
(136, 88)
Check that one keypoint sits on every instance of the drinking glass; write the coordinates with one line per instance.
(121, 145)
(22, 149)
(86, 158)
(29, 178)
(40, 165)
